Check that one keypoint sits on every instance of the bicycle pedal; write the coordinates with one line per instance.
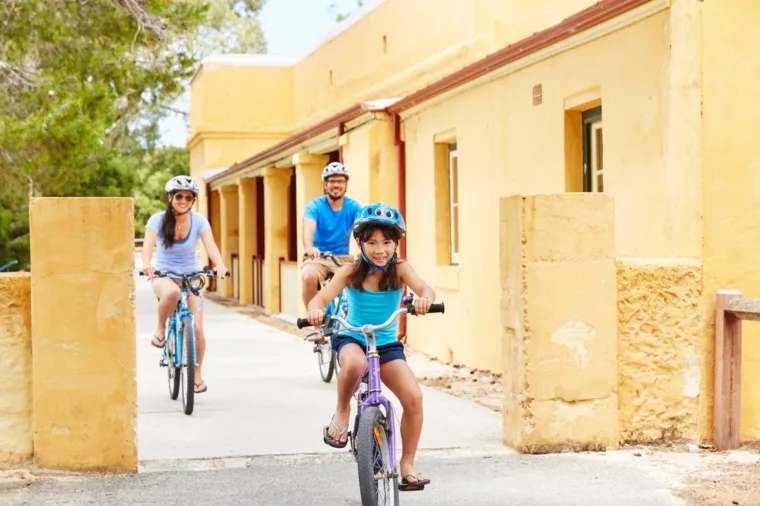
(411, 488)
(162, 363)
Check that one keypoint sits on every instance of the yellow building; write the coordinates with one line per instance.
(444, 107)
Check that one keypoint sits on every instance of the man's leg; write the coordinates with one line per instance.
(313, 273)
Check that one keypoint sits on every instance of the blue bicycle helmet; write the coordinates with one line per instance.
(379, 213)
(373, 215)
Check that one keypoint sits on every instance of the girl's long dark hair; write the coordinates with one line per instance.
(167, 226)
(389, 281)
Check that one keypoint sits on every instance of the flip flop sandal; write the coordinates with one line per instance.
(407, 485)
(158, 341)
(198, 389)
(329, 440)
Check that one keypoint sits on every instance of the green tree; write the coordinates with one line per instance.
(155, 169)
(83, 85)
(340, 16)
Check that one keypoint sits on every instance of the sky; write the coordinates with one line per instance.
(291, 28)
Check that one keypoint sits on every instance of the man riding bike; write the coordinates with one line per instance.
(327, 222)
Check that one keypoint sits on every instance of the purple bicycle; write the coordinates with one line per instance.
(373, 441)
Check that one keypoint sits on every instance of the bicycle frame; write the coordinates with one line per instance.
(175, 324)
(374, 397)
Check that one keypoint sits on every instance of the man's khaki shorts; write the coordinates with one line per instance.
(324, 266)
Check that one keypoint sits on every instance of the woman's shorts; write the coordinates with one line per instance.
(388, 352)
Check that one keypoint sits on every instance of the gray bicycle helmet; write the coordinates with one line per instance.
(179, 183)
(334, 169)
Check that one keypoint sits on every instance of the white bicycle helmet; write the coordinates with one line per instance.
(334, 169)
(178, 183)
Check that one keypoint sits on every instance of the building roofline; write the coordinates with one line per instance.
(602, 11)
(598, 13)
(344, 116)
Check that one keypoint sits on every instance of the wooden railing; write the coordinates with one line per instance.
(730, 310)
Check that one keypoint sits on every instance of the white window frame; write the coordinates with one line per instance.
(453, 232)
(595, 162)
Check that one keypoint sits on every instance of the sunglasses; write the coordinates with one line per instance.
(187, 198)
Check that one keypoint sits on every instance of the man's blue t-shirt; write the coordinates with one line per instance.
(333, 232)
(182, 256)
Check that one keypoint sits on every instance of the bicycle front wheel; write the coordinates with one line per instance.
(173, 372)
(188, 365)
(325, 355)
(378, 485)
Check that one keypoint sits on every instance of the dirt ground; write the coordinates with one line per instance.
(704, 477)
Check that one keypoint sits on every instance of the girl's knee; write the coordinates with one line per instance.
(352, 365)
(413, 400)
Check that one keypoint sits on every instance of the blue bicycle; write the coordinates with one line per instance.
(179, 349)
(327, 359)
(8, 265)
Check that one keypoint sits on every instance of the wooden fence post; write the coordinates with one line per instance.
(728, 342)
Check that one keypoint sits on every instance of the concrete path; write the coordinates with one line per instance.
(265, 396)
(457, 479)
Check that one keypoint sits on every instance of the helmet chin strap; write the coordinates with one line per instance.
(373, 267)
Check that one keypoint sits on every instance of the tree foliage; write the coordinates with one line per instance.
(83, 84)
(340, 16)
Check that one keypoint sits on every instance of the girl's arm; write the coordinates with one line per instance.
(328, 292)
(207, 237)
(425, 294)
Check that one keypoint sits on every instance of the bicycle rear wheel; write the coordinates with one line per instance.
(172, 371)
(188, 365)
(377, 483)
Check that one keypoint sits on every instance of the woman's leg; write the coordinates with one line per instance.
(352, 361)
(195, 305)
(399, 378)
(168, 294)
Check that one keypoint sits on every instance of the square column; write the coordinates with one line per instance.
(247, 239)
(276, 196)
(229, 233)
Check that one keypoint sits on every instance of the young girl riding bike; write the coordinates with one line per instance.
(375, 286)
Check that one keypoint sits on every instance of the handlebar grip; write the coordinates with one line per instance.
(437, 308)
(303, 322)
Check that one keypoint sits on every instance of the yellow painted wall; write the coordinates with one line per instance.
(83, 334)
(16, 433)
(507, 146)
(731, 187)
(454, 34)
(247, 98)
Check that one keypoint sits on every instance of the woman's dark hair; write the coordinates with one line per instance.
(168, 225)
(389, 280)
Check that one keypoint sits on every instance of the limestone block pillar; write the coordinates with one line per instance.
(559, 313)
(247, 221)
(229, 232)
(83, 334)
(16, 430)
(308, 186)
(276, 195)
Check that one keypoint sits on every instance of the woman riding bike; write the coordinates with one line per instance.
(175, 234)
(375, 286)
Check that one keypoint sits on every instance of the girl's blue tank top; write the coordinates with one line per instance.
(373, 308)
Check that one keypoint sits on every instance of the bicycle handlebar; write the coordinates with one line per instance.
(409, 309)
(163, 274)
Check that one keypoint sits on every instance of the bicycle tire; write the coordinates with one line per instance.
(373, 457)
(188, 365)
(326, 369)
(172, 372)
